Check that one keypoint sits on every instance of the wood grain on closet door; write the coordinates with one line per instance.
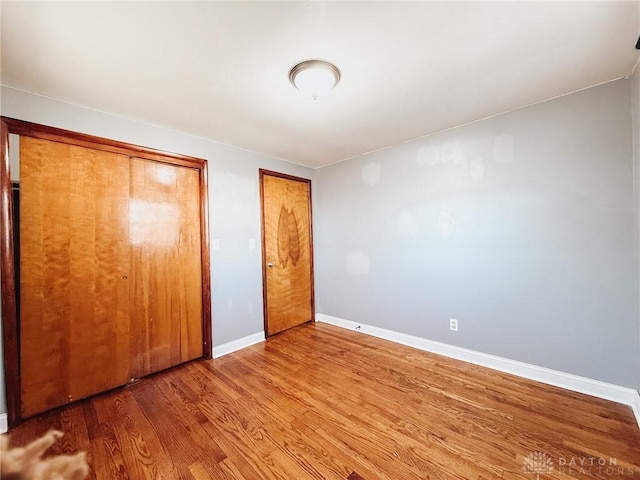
(166, 290)
(74, 327)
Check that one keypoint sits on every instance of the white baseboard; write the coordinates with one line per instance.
(596, 388)
(4, 424)
(635, 406)
(234, 345)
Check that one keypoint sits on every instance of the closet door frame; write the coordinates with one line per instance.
(7, 249)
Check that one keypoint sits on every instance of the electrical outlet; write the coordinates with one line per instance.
(453, 324)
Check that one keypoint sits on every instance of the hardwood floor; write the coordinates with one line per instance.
(319, 402)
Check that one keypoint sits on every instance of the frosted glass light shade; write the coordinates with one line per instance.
(314, 78)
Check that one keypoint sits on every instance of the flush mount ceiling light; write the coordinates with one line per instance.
(314, 77)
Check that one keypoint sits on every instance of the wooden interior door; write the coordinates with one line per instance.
(166, 300)
(74, 263)
(287, 251)
(110, 270)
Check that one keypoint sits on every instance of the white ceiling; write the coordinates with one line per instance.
(219, 70)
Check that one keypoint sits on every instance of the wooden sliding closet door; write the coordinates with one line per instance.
(110, 269)
(166, 308)
(74, 326)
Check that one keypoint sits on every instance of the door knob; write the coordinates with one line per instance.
(270, 264)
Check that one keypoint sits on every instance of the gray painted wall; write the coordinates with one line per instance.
(520, 226)
(234, 196)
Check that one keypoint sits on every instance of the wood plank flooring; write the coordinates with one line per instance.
(319, 402)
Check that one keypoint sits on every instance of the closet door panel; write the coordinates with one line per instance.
(44, 267)
(99, 318)
(189, 273)
(74, 285)
(166, 316)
